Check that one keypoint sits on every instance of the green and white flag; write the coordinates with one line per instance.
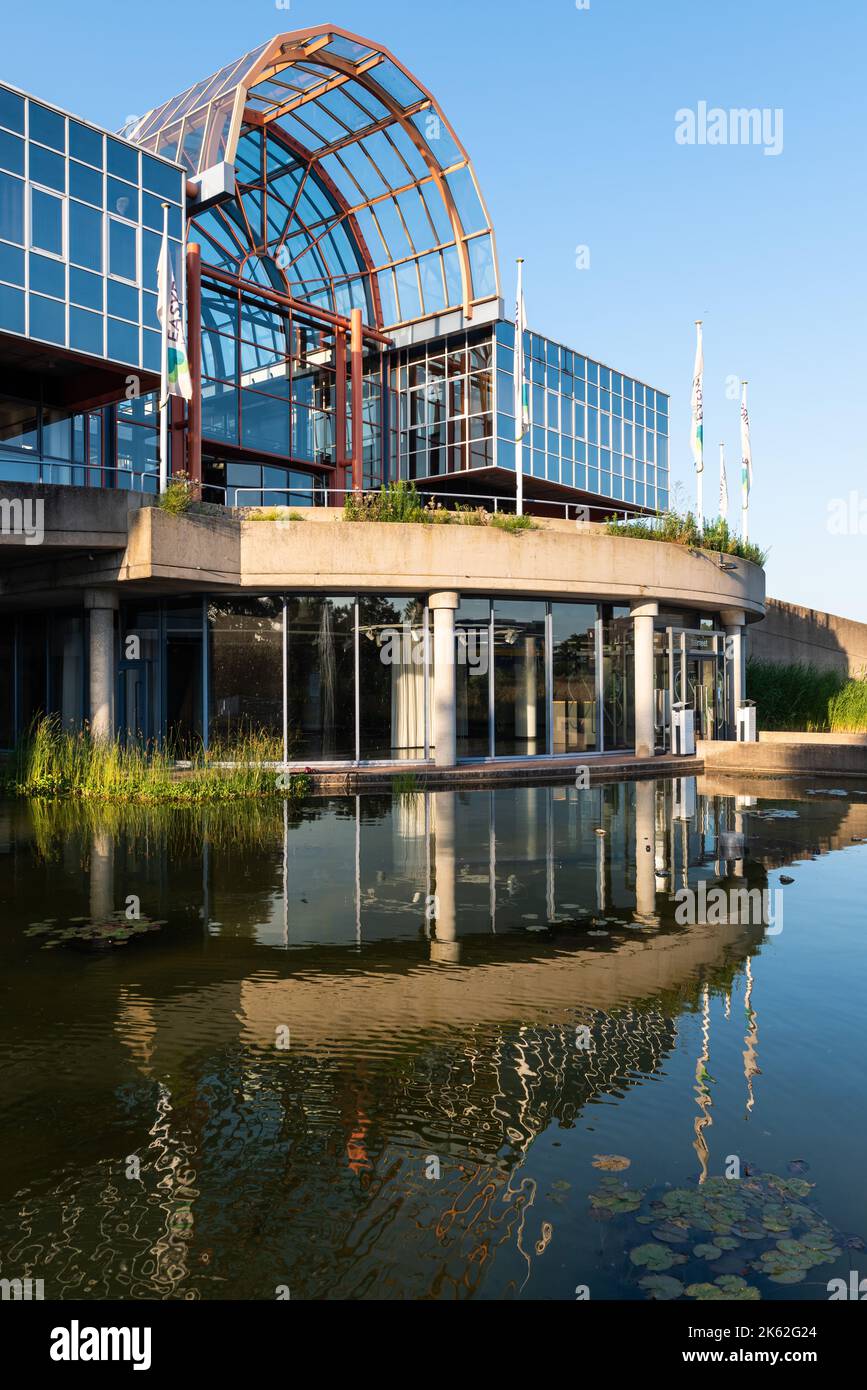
(696, 435)
(723, 485)
(175, 368)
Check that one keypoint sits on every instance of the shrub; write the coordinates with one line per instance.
(512, 523)
(683, 529)
(178, 495)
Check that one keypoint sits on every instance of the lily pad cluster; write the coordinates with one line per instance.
(736, 1230)
(115, 930)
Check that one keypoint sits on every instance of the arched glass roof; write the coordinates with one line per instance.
(353, 189)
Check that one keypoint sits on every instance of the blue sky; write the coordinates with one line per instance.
(569, 117)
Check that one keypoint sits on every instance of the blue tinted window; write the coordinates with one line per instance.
(46, 231)
(85, 331)
(122, 301)
(122, 341)
(85, 236)
(48, 168)
(149, 313)
(122, 198)
(605, 378)
(160, 178)
(122, 161)
(11, 110)
(11, 153)
(152, 216)
(48, 127)
(151, 351)
(11, 209)
(85, 288)
(121, 250)
(85, 144)
(47, 276)
(11, 309)
(593, 372)
(85, 183)
(11, 264)
(47, 319)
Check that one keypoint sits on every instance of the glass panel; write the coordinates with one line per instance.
(472, 677)
(391, 677)
(321, 677)
(617, 679)
(519, 678)
(246, 682)
(574, 672)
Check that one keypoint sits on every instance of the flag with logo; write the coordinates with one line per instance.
(176, 380)
(723, 484)
(697, 422)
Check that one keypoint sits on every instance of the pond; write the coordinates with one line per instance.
(534, 1043)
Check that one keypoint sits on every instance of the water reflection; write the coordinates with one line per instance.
(370, 1047)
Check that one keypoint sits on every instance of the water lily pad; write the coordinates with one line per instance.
(662, 1287)
(788, 1276)
(611, 1163)
(707, 1252)
(727, 1243)
(655, 1257)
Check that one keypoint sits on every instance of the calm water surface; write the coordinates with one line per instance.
(434, 1046)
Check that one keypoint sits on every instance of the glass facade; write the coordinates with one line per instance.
(591, 428)
(349, 174)
(80, 231)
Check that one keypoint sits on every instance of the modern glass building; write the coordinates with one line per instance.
(338, 270)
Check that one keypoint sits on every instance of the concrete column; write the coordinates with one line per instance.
(643, 615)
(443, 722)
(101, 604)
(645, 856)
(735, 620)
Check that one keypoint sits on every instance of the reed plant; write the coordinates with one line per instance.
(682, 528)
(800, 697)
(52, 762)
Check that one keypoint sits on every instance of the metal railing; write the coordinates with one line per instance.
(147, 483)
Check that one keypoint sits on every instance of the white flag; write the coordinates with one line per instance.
(175, 370)
(746, 451)
(723, 484)
(696, 434)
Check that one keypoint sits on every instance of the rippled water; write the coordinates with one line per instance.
(437, 1046)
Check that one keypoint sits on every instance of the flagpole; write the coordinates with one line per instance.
(519, 392)
(164, 362)
(746, 464)
(698, 424)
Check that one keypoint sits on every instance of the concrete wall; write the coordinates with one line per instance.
(789, 634)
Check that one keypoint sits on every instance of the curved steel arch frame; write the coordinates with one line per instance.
(358, 95)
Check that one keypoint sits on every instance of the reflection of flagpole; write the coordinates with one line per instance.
(702, 1076)
(751, 1039)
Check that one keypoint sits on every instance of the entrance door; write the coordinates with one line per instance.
(697, 675)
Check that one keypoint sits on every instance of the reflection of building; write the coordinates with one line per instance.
(346, 327)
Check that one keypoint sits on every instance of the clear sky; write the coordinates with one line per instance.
(569, 117)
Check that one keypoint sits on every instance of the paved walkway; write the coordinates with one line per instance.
(603, 767)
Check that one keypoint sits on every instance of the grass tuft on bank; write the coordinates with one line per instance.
(50, 762)
(801, 698)
(682, 529)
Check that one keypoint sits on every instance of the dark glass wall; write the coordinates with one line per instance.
(573, 666)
